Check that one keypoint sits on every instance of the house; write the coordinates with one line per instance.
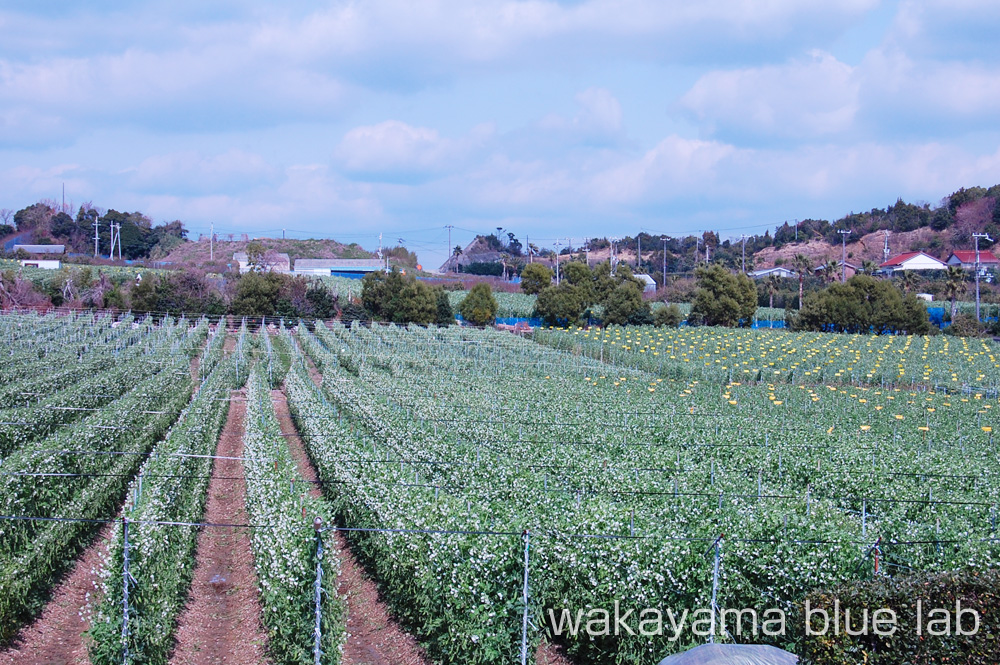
(912, 261)
(273, 262)
(351, 268)
(967, 259)
(763, 273)
(848, 269)
(648, 283)
(40, 249)
(47, 264)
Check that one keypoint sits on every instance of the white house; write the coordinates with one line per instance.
(47, 264)
(648, 283)
(912, 261)
(967, 259)
(273, 261)
(353, 268)
(777, 270)
(40, 249)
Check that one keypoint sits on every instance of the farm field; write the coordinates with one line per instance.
(462, 466)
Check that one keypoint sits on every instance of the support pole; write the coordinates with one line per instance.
(125, 581)
(715, 583)
(524, 621)
(317, 630)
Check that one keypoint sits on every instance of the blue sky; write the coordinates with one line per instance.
(550, 119)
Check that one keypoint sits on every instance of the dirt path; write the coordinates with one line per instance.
(373, 636)
(56, 636)
(221, 623)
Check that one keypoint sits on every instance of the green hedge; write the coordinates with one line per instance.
(978, 591)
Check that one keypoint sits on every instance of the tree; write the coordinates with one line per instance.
(35, 216)
(535, 277)
(954, 286)
(624, 306)
(398, 298)
(863, 304)
(722, 298)
(479, 307)
(772, 282)
(802, 265)
(669, 316)
(560, 305)
(830, 271)
(869, 267)
(445, 313)
(909, 281)
(255, 256)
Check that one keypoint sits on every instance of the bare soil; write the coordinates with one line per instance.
(56, 637)
(221, 622)
(373, 636)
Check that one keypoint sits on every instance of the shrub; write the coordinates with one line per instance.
(479, 307)
(669, 316)
(977, 590)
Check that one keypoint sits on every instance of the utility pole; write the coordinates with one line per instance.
(111, 254)
(556, 244)
(97, 238)
(796, 230)
(638, 250)
(586, 249)
(664, 278)
(976, 237)
(527, 245)
(448, 258)
(843, 261)
(211, 242)
(885, 248)
(743, 263)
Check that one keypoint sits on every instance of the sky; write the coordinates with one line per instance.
(553, 120)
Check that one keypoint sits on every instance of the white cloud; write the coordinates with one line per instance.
(598, 120)
(394, 150)
(810, 98)
(929, 98)
(191, 172)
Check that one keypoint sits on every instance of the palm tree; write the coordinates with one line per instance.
(908, 280)
(830, 269)
(954, 286)
(772, 283)
(869, 267)
(457, 252)
(802, 265)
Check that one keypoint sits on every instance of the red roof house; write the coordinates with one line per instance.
(966, 258)
(912, 261)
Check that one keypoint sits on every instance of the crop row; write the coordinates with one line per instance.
(170, 487)
(80, 472)
(801, 480)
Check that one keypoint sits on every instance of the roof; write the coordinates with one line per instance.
(907, 256)
(969, 256)
(777, 270)
(645, 279)
(840, 264)
(281, 257)
(40, 249)
(338, 264)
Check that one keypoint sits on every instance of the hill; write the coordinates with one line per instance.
(199, 253)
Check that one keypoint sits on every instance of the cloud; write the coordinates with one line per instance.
(395, 151)
(909, 97)
(598, 120)
(947, 29)
(190, 172)
(805, 98)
